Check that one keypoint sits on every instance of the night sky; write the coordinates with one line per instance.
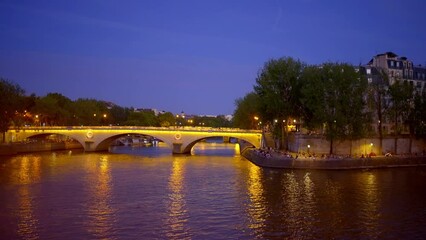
(192, 56)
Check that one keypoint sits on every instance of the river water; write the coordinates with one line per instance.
(148, 193)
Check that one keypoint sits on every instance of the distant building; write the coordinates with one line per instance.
(396, 68)
(156, 112)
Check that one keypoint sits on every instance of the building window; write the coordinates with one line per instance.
(368, 71)
(397, 64)
(391, 63)
(405, 64)
(370, 80)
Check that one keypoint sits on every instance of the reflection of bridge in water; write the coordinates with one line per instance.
(97, 138)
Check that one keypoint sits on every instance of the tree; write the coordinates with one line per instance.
(333, 98)
(11, 103)
(54, 109)
(416, 119)
(246, 110)
(401, 94)
(278, 87)
(418, 115)
(377, 95)
(90, 112)
(166, 119)
(143, 118)
(119, 115)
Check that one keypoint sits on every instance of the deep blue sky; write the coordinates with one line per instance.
(195, 56)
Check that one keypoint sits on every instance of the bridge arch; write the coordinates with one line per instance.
(40, 134)
(104, 144)
(191, 144)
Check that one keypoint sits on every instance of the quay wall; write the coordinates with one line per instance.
(17, 148)
(319, 145)
(275, 160)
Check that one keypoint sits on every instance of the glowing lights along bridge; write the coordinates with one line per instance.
(98, 138)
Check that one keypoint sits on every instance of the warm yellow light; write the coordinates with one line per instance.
(94, 114)
(309, 146)
(294, 120)
(256, 118)
(36, 116)
(371, 144)
(275, 120)
(105, 115)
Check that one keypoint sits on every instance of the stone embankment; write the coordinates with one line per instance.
(17, 148)
(273, 159)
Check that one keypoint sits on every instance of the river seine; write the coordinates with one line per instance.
(148, 193)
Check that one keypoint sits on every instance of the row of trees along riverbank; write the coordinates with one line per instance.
(18, 109)
(334, 99)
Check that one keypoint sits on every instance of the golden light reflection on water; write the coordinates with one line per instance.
(309, 200)
(370, 205)
(177, 211)
(293, 202)
(256, 210)
(101, 215)
(333, 198)
(237, 149)
(29, 173)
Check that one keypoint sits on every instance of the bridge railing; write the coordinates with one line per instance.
(172, 128)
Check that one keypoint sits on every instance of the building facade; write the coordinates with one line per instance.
(396, 68)
(386, 69)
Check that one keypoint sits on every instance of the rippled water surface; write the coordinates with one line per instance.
(147, 193)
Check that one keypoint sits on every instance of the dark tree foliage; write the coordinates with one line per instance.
(377, 95)
(333, 98)
(402, 98)
(417, 117)
(246, 111)
(91, 112)
(54, 109)
(278, 86)
(142, 118)
(11, 104)
(166, 119)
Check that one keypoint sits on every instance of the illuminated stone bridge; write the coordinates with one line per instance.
(180, 140)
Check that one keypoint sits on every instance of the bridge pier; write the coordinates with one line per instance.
(178, 148)
(89, 146)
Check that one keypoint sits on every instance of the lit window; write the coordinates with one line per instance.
(368, 71)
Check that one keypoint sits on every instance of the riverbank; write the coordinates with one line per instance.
(18, 148)
(277, 160)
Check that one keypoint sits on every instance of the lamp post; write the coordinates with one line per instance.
(256, 118)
